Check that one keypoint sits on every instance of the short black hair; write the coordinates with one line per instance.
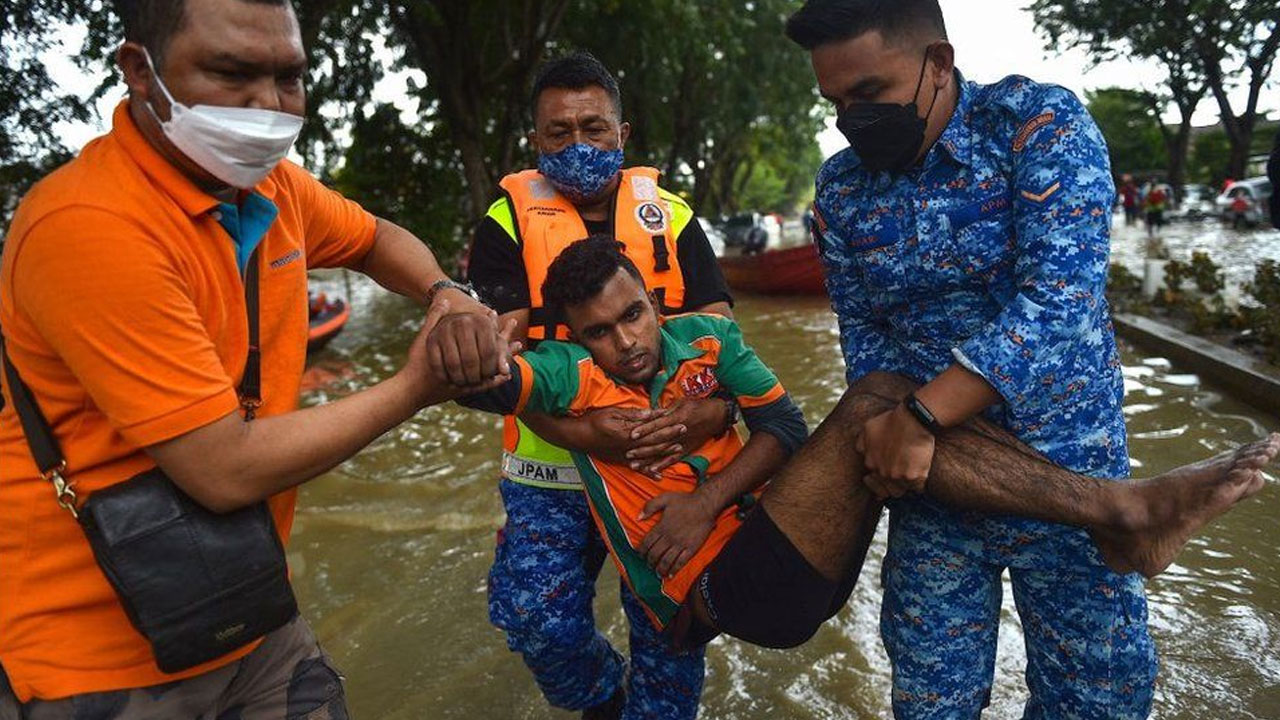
(826, 21)
(581, 271)
(151, 23)
(575, 71)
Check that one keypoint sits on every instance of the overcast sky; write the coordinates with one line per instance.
(993, 38)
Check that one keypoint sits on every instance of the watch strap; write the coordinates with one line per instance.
(922, 414)
(447, 284)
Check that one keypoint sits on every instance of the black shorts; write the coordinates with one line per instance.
(760, 589)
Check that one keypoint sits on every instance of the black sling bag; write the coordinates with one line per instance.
(196, 584)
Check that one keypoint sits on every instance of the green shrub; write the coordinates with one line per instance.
(1206, 274)
(1264, 318)
(1124, 290)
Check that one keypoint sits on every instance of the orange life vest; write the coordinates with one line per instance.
(547, 223)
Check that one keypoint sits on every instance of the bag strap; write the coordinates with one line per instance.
(250, 390)
(44, 445)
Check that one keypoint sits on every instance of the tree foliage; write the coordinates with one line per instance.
(714, 91)
(1131, 124)
(717, 97)
(1204, 45)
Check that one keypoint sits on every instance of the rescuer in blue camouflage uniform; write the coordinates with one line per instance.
(965, 236)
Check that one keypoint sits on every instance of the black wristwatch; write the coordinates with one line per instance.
(922, 414)
(732, 413)
(448, 284)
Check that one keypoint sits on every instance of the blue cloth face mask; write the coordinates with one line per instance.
(581, 172)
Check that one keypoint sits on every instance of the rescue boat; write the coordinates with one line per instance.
(326, 318)
(788, 271)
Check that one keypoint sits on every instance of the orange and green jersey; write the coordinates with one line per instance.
(701, 355)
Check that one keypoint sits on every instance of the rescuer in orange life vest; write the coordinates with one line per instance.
(549, 540)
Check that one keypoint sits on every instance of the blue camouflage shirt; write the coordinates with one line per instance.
(992, 253)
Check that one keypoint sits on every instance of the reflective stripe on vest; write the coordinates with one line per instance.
(546, 223)
(539, 474)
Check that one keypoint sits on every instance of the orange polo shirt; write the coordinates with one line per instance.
(123, 309)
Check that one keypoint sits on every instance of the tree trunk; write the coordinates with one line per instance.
(480, 67)
(1239, 128)
(1178, 149)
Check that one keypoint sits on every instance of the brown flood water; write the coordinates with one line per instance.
(391, 550)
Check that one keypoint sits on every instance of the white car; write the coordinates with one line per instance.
(1256, 193)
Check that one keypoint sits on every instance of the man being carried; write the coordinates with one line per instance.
(772, 579)
(581, 187)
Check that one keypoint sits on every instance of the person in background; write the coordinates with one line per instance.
(1129, 199)
(1154, 203)
(581, 187)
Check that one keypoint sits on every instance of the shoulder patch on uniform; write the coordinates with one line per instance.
(1033, 197)
(1032, 125)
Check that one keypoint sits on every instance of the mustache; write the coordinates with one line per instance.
(626, 359)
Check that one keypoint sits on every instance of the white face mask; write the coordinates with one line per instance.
(239, 146)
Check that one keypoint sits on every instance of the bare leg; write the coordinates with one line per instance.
(819, 501)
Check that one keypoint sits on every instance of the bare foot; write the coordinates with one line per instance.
(1168, 509)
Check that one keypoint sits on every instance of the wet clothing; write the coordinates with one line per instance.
(123, 309)
(541, 589)
(992, 253)
(658, 686)
(700, 354)
(762, 590)
(287, 677)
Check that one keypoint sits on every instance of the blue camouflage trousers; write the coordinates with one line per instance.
(1089, 654)
(541, 588)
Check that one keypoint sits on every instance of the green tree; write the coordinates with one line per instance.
(1213, 44)
(714, 91)
(410, 174)
(719, 99)
(30, 104)
(1129, 122)
(1236, 39)
(1209, 154)
(1109, 29)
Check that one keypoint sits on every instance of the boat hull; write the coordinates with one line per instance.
(790, 271)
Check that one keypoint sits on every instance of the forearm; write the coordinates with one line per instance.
(231, 463)
(717, 308)
(762, 456)
(401, 263)
(957, 395)
(570, 433)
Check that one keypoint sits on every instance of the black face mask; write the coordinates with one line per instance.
(886, 136)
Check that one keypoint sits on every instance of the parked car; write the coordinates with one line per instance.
(1245, 202)
(1197, 203)
(749, 231)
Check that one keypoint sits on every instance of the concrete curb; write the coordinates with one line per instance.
(1247, 379)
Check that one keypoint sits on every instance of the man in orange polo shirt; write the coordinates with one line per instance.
(123, 309)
